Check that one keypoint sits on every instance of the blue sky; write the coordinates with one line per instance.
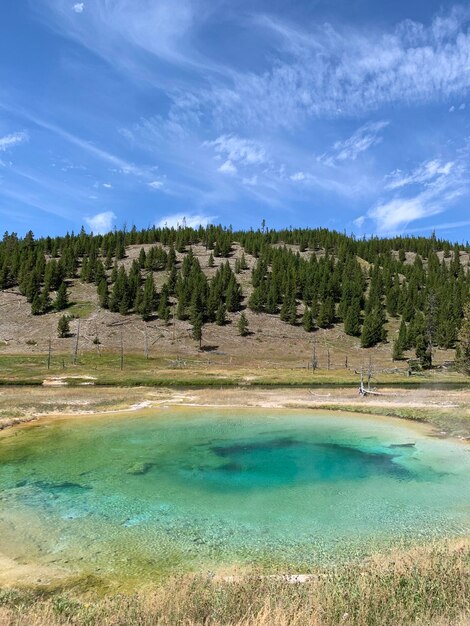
(349, 114)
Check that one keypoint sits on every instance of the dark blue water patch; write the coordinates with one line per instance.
(283, 461)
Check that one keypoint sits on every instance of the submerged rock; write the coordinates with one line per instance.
(140, 468)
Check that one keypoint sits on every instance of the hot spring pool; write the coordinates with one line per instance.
(180, 489)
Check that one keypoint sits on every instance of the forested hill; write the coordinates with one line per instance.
(308, 278)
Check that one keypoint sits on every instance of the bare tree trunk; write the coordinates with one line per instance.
(49, 355)
(75, 352)
(146, 344)
(122, 353)
(369, 373)
(314, 356)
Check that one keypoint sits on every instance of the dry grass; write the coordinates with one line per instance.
(423, 587)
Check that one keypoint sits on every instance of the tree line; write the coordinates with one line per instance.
(314, 277)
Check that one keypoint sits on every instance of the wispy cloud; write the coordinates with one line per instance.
(238, 150)
(227, 168)
(425, 173)
(309, 74)
(120, 31)
(177, 220)
(121, 164)
(441, 184)
(361, 140)
(101, 222)
(9, 141)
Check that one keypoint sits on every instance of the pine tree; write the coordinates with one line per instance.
(197, 328)
(243, 329)
(233, 295)
(292, 313)
(61, 302)
(373, 331)
(397, 351)
(148, 299)
(103, 294)
(403, 336)
(307, 320)
(423, 352)
(352, 319)
(463, 355)
(210, 262)
(63, 326)
(164, 312)
(36, 305)
(220, 318)
(326, 315)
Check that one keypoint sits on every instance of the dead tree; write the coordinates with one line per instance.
(75, 352)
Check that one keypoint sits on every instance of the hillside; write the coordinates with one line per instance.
(420, 283)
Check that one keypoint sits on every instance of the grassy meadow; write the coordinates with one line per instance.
(424, 587)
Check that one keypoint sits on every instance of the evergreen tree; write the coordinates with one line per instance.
(423, 352)
(220, 318)
(103, 294)
(197, 328)
(63, 326)
(397, 351)
(164, 312)
(307, 320)
(36, 305)
(149, 298)
(352, 319)
(243, 329)
(61, 302)
(463, 355)
(373, 331)
(326, 315)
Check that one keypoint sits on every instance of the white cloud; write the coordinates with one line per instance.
(361, 140)
(425, 173)
(79, 7)
(238, 150)
(359, 221)
(252, 181)
(397, 213)
(298, 176)
(316, 69)
(107, 185)
(452, 109)
(9, 141)
(156, 184)
(177, 220)
(227, 168)
(101, 222)
(462, 106)
(441, 184)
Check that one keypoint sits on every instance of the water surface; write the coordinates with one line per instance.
(201, 489)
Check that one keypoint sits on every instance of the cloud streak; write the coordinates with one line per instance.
(441, 185)
(361, 140)
(9, 141)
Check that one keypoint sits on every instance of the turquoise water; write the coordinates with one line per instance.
(203, 489)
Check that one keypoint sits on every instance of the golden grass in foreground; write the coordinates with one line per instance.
(423, 587)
